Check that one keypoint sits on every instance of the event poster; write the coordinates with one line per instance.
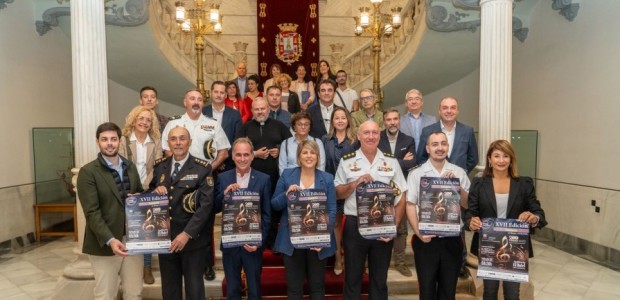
(241, 219)
(148, 224)
(375, 210)
(308, 219)
(503, 252)
(440, 206)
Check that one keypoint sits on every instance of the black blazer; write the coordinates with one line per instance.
(331, 161)
(404, 144)
(231, 121)
(318, 129)
(293, 103)
(521, 197)
(194, 177)
(464, 151)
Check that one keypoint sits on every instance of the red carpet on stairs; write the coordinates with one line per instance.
(273, 279)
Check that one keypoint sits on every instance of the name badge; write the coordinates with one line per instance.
(190, 177)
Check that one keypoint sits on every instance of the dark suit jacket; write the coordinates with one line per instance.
(318, 129)
(242, 93)
(322, 180)
(193, 177)
(331, 161)
(259, 182)
(404, 144)
(231, 121)
(464, 151)
(102, 204)
(521, 197)
(293, 103)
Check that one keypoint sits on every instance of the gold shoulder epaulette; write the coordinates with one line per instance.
(350, 155)
(159, 160)
(201, 161)
(174, 117)
(387, 154)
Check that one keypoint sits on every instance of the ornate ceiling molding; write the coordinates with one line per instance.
(3, 3)
(117, 12)
(566, 8)
(438, 18)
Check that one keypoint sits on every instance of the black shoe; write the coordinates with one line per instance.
(463, 273)
(209, 274)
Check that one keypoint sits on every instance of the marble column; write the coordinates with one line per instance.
(90, 108)
(495, 73)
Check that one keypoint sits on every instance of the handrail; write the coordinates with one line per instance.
(359, 62)
(179, 48)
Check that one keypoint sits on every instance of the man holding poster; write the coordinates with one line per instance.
(362, 167)
(246, 257)
(188, 183)
(437, 259)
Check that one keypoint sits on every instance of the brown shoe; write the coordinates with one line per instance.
(148, 275)
(403, 269)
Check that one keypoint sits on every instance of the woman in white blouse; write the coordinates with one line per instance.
(303, 86)
(141, 144)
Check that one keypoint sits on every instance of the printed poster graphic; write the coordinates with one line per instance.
(503, 252)
(440, 206)
(148, 224)
(375, 210)
(308, 219)
(241, 219)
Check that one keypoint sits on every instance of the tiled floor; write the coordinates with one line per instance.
(556, 275)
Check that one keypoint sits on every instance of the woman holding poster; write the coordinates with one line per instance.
(501, 193)
(141, 144)
(309, 263)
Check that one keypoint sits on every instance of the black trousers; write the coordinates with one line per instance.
(437, 264)
(356, 250)
(305, 264)
(183, 267)
(234, 259)
(491, 288)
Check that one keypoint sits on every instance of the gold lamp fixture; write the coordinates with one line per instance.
(376, 24)
(200, 20)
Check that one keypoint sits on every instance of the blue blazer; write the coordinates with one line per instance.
(231, 121)
(322, 180)
(259, 182)
(406, 128)
(464, 151)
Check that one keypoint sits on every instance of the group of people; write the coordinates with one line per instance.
(277, 144)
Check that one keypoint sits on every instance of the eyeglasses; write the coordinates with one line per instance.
(416, 99)
(367, 98)
(302, 124)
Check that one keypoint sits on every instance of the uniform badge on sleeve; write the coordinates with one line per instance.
(210, 180)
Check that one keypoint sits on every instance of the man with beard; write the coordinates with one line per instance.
(437, 260)
(188, 182)
(266, 135)
(366, 165)
(209, 142)
(102, 187)
(202, 129)
(402, 147)
(347, 96)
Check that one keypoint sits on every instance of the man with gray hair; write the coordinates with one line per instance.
(415, 120)
(368, 111)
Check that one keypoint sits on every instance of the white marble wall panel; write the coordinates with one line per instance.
(336, 27)
(239, 25)
(238, 8)
(568, 209)
(17, 213)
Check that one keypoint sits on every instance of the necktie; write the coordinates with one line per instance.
(176, 170)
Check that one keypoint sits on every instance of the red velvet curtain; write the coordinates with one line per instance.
(288, 34)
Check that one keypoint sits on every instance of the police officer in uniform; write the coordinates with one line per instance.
(188, 182)
(363, 166)
(209, 139)
(209, 142)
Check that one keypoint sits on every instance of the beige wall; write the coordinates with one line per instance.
(35, 91)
